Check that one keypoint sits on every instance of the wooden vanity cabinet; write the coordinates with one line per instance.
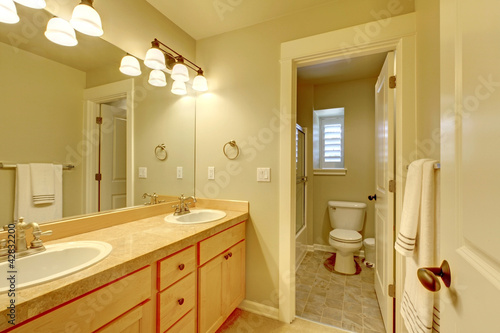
(221, 278)
(120, 306)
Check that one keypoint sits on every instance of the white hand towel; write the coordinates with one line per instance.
(42, 183)
(24, 206)
(417, 305)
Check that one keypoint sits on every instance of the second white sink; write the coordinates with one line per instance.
(57, 261)
(196, 216)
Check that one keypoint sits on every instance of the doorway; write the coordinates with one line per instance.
(397, 35)
(338, 100)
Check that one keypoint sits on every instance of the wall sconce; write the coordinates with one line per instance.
(161, 60)
(8, 12)
(84, 19)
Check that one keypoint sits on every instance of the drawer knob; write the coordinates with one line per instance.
(227, 256)
(180, 301)
(181, 267)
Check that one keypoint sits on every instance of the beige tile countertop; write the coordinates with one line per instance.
(135, 245)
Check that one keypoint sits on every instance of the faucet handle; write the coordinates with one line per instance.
(37, 242)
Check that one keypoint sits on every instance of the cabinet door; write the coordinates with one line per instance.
(221, 287)
(210, 310)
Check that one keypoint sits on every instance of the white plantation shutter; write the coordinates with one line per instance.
(332, 142)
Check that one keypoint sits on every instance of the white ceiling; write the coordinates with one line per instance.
(205, 18)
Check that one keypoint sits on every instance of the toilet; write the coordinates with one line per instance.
(347, 220)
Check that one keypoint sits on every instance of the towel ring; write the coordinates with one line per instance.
(233, 144)
(161, 152)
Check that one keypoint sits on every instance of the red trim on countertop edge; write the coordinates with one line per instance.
(70, 301)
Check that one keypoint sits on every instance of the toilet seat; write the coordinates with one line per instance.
(345, 236)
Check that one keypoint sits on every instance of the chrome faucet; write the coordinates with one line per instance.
(21, 246)
(153, 199)
(183, 206)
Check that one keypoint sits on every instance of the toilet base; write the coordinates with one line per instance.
(344, 263)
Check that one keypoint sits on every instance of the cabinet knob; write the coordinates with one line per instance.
(229, 255)
(181, 267)
(180, 301)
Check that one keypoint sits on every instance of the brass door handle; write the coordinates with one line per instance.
(428, 276)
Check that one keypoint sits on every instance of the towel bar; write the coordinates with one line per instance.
(14, 166)
(437, 166)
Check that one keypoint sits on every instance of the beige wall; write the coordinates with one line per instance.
(41, 103)
(428, 97)
(243, 72)
(358, 99)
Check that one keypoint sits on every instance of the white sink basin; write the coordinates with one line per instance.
(57, 261)
(196, 216)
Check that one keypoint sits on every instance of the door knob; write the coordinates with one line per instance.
(372, 197)
(429, 276)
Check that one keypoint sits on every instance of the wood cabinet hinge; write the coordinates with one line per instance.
(392, 186)
(98, 120)
(391, 291)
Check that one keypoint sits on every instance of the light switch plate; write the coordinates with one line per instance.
(211, 172)
(263, 174)
(179, 172)
(143, 172)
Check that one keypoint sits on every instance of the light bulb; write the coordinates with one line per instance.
(179, 88)
(8, 12)
(61, 32)
(200, 82)
(180, 72)
(157, 78)
(130, 66)
(86, 19)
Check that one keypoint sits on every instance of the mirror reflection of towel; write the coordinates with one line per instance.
(24, 205)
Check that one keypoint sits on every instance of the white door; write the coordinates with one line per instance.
(113, 186)
(384, 204)
(470, 160)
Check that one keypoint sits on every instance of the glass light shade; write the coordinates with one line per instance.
(59, 31)
(155, 59)
(37, 4)
(179, 88)
(130, 66)
(180, 72)
(86, 20)
(200, 83)
(157, 78)
(8, 12)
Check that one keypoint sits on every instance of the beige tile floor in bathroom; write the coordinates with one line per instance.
(344, 301)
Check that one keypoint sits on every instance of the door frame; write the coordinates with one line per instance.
(93, 97)
(392, 34)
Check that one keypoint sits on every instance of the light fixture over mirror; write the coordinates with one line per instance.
(59, 31)
(8, 12)
(130, 66)
(160, 60)
(36, 4)
(86, 20)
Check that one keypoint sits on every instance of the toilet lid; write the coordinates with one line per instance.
(345, 236)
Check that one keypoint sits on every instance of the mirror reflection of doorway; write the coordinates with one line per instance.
(112, 156)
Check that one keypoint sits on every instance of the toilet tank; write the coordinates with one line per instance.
(347, 215)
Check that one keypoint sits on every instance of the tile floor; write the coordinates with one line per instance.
(344, 301)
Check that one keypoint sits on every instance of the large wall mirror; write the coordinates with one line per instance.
(46, 117)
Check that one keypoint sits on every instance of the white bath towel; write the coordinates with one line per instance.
(416, 242)
(42, 183)
(24, 206)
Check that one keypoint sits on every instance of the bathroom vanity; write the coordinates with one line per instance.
(159, 277)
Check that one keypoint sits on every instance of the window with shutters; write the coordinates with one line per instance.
(328, 139)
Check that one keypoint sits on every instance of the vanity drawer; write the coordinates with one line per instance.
(175, 267)
(220, 242)
(96, 309)
(175, 301)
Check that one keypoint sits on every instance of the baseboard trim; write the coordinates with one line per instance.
(260, 309)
